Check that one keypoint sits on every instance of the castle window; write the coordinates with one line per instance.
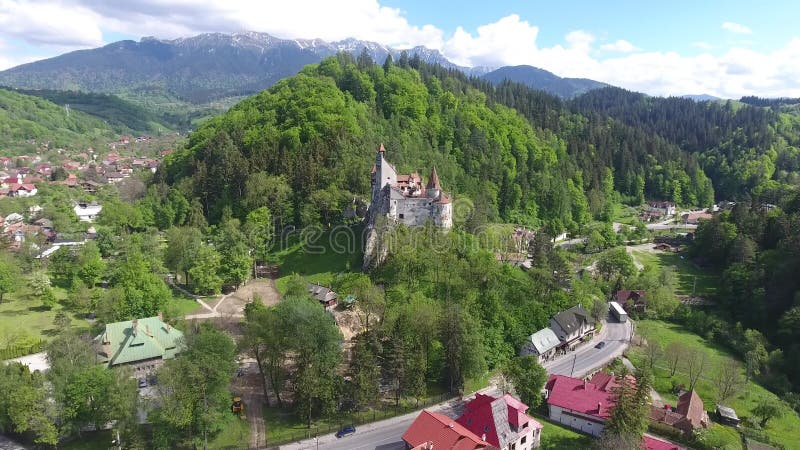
(401, 216)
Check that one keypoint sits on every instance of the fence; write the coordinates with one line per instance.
(15, 351)
(355, 419)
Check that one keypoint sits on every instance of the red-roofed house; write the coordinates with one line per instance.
(687, 417)
(651, 443)
(582, 405)
(501, 422)
(632, 300)
(437, 431)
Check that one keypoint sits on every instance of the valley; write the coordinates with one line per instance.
(313, 235)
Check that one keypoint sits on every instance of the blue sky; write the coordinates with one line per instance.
(651, 25)
(724, 48)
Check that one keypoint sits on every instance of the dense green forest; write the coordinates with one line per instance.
(25, 117)
(319, 129)
(759, 254)
(119, 114)
(745, 150)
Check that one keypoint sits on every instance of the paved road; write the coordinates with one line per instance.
(386, 435)
(587, 358)
(383, 435)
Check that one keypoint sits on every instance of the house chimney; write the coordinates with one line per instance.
(483, 437)
(584, 385)
(167, 324)
(599, 404)
(160, 316)
(451, 425)
(134, 325)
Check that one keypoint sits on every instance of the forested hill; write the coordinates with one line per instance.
(24, 117)
(315, 134)
(119, 114)
(745, 149)
(541, 79)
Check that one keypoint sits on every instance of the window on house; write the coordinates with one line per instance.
(401, 216)
(486, 428)
(524, 438)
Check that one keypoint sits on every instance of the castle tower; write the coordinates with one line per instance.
(383, 173)
(433, 189)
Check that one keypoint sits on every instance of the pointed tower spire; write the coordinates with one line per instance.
(433, 181)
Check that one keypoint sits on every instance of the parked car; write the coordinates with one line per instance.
(600, 344)
(345, 431)
(142, 383)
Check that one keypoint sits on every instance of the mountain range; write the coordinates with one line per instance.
(214, 66)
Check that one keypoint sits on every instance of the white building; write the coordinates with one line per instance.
(542, 344)
(87, 212)
(572, 325)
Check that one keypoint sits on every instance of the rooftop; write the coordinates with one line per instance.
(442, 432)
(138, 340)
(582, 396)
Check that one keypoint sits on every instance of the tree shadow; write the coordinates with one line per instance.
(40, 308)
(14, 312)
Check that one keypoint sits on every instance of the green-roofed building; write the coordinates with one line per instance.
(143, 343)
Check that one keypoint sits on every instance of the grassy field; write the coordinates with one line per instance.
(783, 430)
(23, 318)
(235, 434)
(320, 259)
(557, 437)
(690, 278)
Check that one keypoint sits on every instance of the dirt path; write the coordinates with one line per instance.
(232, 305)
(258, 430)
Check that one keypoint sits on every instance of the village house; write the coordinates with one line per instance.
(87, 212)
(405, 199)
(651, 443)
(572, 326)
(323, 294)
(114, 177)
(543, 344)
(434, 431)
(143, 344)
(579, 404)
(632, 301)
(22, 190)
(663, 208)
(502, 422)
(689, 416)
(695, 217)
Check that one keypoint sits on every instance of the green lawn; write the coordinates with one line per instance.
(783, 430)
(24, 319)
(182, 305)
(690, 278)
(321, 258)
(557, 437)
(236, 434)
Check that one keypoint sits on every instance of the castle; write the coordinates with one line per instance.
(404, 199)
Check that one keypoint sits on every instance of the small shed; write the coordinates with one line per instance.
(323, 294)
(726, 415)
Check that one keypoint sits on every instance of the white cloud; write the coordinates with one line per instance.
(620, 46)
(49, 23)
(510, 40)
(702, 45)
(738, 28)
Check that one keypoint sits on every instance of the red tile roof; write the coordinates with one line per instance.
(691, 406)
(580, 396)
(443, 432)
(479, 417)
(651, 443)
